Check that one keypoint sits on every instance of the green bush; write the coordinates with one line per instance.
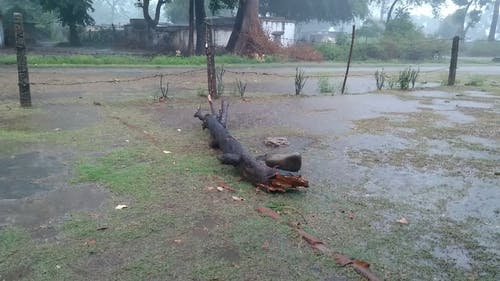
(400, 40)
(482, 49)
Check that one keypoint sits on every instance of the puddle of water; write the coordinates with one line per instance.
(377, 142)
(418, 189)
(479, 94)
(481, 201)
(432, 94)
(488, 143)
(442, 147)
(22, 175)
(454, 254)
(65, 117)
(48, 207)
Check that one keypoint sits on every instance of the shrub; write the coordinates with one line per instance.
(380, 79)
(325, 86)
(407, 78)
(300, 80)
(482, 49)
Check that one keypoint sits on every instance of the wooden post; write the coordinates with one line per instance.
(209, 46)
(22, 64)
(454, 60)
(349, 59)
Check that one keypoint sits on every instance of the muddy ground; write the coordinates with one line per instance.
(430, 156)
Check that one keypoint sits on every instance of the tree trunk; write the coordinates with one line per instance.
(391, 9)
(494, 21)
(74, 39)
(233, 153)
(191, 28)
(463, 20)
(238, 22)
(248, 37)
(152, 23)
(200, 26)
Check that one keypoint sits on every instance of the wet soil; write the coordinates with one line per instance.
(428, 155)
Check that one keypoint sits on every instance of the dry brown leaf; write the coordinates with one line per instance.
(362, 264)
(209, 188)
(268, 212)
(342, 260)
(236, 198)
(311, 240)
(90, 242)
(227, 187)
(403, 221)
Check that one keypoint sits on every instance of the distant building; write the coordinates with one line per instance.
(176, 36)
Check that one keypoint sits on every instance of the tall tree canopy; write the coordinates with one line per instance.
(321, 10)
(398, 8)
(468, 14)
(247, 33)
(71, 13)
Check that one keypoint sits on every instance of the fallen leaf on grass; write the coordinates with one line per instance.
(167, 152)
(311, 240)
(101, 228)
(268, 212)
(342, 260)
(362, 264)
(236, 198)
(178, 241)
(224, 188)
(403, 221)
(90, 242)
(121, 207)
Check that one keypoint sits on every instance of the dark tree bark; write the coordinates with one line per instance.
(199, 7)
(152, 22)
(191, 28)
(233, 153)
(74, 39)
(494, 21)
(391, 9)
(248, 37)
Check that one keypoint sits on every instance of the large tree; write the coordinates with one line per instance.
(248, 36)
(468, 14)
(152, 22)
(200, 15)
(398, 8)
(112, 11)
(71, 13)
(494, 21)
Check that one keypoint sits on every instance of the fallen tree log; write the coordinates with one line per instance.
(270, 179)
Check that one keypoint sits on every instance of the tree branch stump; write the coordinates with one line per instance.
(270, 179)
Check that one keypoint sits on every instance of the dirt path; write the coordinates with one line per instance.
(429, 156)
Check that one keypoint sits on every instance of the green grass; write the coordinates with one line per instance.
(110, 60)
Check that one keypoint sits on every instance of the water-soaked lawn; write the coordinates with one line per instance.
(428, 156)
